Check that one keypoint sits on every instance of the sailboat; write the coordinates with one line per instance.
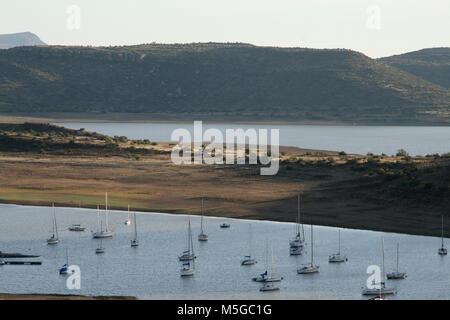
(382, 289)
(265, 277)
(100, 233)
(270, 286)
(298, 242)
(248, 260)
(128, 221)
(65, 268)
(310, 267)
(202, 236)
(188, 267)
(188, 254)
(442, 251)
(100, 249)
(397, 274)
(338, 257)
(54, 239)
(135, 242)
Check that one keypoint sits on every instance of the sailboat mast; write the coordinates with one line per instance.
(191, 245)
(384, 274)
(312, 246)
(339, 241)
(54, 220)
(272, 261)
(442, 231)
(106, 209)
(98, 218)
(397, 256)
(135, 226)
(201, 221)
(250, 239)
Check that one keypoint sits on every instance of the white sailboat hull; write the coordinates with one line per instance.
(103, 234)
(269, 287)
(248, 262)
(308, 270)
(295, 251)
(336, 258)
(396, 275)
(202, 237)
(187, 273)
(52, 241)
(376, 292)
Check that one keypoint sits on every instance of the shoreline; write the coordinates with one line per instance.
(259, 219)
(211, 119)
(38, 296)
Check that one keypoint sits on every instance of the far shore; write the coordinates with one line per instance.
(402, 193)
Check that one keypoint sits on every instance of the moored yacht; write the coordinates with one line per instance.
(202, 236)
(338, 257)
(380, 289)
(309, 267)
(54, 239)
(103, 233)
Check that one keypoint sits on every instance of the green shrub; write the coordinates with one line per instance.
(402, 153)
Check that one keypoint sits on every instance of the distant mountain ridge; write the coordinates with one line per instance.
(431, 64)
(19, 39)
(212, 80)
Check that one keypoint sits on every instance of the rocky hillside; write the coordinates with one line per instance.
(214, 80)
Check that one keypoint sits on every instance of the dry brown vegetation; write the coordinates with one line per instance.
(401, 193)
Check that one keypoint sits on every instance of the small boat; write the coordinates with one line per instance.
(2, 262)
(396, 275)
(77, 227)
(128, 221)
(248, 260)
(65, 268)
(338, 257)
(100, 233)
(270, 286)
(188, 254)
(225, 225)
(264, 277)
(442, 251)
(379, 291)
(100, 249)
(295, 251)
(298, 242)
(382, 289)
(54, 239)
(188, 267)
(202, 236)
(310, 267)
(135, 242)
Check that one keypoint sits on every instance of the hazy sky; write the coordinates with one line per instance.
(374, 27)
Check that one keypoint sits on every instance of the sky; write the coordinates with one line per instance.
(374, 27)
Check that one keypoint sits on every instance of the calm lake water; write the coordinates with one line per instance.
(151, 271)
(351, 139)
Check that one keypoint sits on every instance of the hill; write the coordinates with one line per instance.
(214, 80)
(19, 39)
(430, 64)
